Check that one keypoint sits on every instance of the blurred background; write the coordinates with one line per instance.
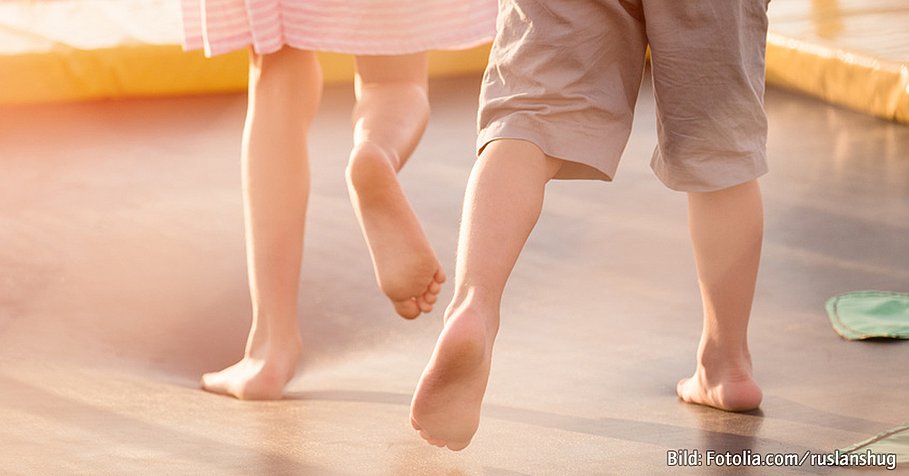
(122, 269)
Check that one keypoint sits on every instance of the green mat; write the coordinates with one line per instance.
(868, 314)
(894, 441)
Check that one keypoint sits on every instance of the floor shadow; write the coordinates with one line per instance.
(721, 431)
(167, 445)
(789, 410)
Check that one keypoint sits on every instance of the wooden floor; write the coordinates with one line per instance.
(122, 279)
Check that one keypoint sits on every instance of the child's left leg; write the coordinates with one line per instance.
(390, 116)
(708, 79)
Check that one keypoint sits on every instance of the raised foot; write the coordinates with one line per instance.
(256, 378)
(735, 391)
(406, 267)
(446, 405)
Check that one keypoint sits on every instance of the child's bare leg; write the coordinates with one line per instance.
(389, 119)
(726, 230)
(503, 202)
(284, 92)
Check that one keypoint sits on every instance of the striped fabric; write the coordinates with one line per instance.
(366, 27)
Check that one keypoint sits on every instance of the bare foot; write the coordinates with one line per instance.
(262, 374)
(446, 405)
(730, 389)
(406, 268)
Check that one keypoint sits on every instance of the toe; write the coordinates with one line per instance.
(457, 446)
(215, 383)
(430, 298)
(434, 287)
(408, 309)
(439, 277)
(432, 441)
(680, 390)
(209, 380)
(424, 306)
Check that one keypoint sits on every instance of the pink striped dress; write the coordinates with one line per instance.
(364, 27)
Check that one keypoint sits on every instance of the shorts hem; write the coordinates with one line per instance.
(574, 168)
(681, 179)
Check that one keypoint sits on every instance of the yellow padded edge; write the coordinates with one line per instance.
(854, 53)
(115, 72)
(854, 80)
(70, 74)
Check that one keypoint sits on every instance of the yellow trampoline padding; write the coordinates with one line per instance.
(163, 70)
(66, 50)
(849, 52)
(854, 53)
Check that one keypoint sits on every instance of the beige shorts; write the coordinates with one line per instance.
(565, 76)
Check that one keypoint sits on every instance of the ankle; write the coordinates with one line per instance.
(275, 348)
(718, 362)
(266, 336)
(477, 303)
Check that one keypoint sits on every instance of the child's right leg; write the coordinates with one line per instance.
(549, 91)
(284, 92)
(503, 202)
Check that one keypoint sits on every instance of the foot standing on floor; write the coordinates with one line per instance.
(557, 102)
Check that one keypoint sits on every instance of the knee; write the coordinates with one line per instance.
(520, 154)
(290, 76)
(407, 96)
